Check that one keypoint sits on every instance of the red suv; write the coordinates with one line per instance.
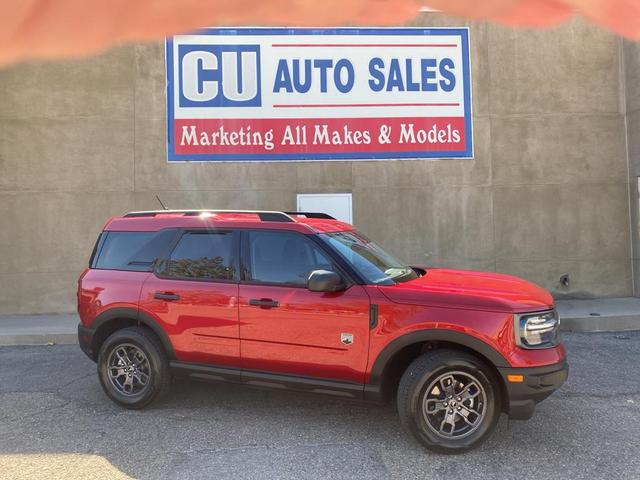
(301, 301)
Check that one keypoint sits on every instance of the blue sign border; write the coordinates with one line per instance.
(337, 156)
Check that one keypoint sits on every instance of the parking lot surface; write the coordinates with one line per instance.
(55, 422)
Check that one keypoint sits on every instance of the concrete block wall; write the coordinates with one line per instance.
(66, 164)
(631, 79)
(547, 192)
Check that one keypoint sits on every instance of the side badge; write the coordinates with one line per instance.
(346, 338)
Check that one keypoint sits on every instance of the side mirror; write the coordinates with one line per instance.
(325, 281)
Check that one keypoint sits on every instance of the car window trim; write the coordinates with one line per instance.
(97, 248)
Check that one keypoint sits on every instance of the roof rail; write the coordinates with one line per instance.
(312, 215)
(264, 215)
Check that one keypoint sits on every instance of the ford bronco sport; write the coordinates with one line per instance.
(304, 302)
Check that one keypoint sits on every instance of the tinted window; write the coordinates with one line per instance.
(283, 257)
(373, 263)
(208, 255)
(135, 251)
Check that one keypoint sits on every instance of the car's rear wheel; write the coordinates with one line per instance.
(449, 401)
(133, 367)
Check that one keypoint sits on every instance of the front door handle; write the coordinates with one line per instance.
(263, 302)
(166, 296)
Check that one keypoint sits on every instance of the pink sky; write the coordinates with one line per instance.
(61, 28)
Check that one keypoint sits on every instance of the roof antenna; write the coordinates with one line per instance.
(160, 202)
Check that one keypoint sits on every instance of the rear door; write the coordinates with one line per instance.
(288, 329)
(193, 293)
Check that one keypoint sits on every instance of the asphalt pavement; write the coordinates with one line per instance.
(55, 422)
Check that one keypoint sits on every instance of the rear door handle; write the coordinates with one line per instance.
(166, 296)
(263, 302)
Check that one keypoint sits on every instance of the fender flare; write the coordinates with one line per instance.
(141, 318)
(433, 335)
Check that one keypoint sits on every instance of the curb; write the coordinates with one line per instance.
(597, 324)
(599, 315)
(40, 329)
(53, 339)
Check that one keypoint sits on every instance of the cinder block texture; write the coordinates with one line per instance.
(631, 80)
(100, 86)
(545, 231)
(631, 60)
(546, 194)
(558, 149)
(567, 69)
(428, 225)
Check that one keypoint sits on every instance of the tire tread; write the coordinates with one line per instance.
(425, 364)
(162, 382)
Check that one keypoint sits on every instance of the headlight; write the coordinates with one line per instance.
(537, 330)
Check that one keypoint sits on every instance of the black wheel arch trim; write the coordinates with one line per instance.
(434, 335)
(141, 318)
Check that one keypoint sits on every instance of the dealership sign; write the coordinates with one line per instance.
(319, 94)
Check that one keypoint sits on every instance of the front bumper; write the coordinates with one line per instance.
(85, 339)
(538, 383)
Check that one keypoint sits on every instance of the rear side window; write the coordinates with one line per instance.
(204, 256)
(134, 251)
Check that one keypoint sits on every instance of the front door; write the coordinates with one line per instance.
(286, 328)
(194, 294)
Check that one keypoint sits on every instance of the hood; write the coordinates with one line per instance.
(467, 289)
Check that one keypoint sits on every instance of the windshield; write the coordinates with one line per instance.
(371, 261)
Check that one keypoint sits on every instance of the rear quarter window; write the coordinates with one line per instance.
(133, 251)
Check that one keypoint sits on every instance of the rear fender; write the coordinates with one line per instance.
(141, 318)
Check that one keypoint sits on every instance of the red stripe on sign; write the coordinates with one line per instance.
(355, 105)
(434, 45)
(275, 136)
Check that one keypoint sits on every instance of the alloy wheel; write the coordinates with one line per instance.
(454, 405)
(128, 369)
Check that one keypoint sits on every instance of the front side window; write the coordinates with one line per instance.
(369, 259)
(134, 251)
(284, 258)
(205, 256)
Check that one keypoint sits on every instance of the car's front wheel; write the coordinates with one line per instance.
(133, 367)
(449, 401)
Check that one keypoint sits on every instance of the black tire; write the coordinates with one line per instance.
(421, 389)
(152, 362)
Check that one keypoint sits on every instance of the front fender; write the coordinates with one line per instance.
(376, 374)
